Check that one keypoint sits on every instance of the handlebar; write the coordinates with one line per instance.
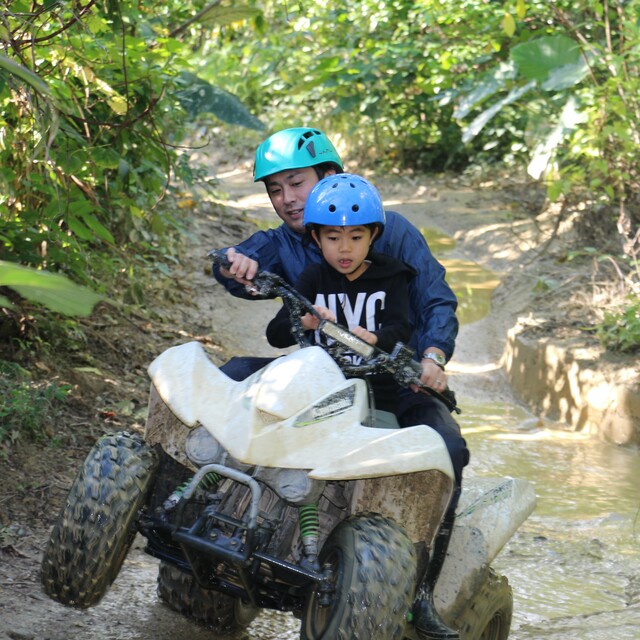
(399, 363)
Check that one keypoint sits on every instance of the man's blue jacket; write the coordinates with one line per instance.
(432, 302)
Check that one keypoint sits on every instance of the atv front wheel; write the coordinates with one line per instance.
(97, 524)
(218, 611)
(488, 615)
(374, 574)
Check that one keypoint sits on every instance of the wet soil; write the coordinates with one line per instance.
(109, 383)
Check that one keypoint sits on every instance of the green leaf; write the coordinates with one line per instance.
(537, 59)
(555, 190)
(487, 85)
(508, 24)
(198, 96)
(545, 149)
(480, 121)
(223, 15)
(566, 76)
(54, 291)
(83, 210)
(89, 370)
(79, 228)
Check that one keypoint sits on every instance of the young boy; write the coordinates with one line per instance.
(368, 292)
(365, 291)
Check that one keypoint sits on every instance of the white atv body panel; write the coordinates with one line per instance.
(298, 412)
(489, 512)
(301, 412)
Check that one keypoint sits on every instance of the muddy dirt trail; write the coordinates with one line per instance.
(479, 219)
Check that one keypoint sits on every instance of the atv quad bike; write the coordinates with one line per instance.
(286, 491)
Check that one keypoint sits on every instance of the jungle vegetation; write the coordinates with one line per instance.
(100, 101)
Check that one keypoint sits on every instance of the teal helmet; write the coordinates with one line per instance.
(293, 149)
(344, 200)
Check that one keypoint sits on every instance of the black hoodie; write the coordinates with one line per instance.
(377, 300)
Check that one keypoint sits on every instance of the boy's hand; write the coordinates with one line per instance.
(365, 335)
(311, 323)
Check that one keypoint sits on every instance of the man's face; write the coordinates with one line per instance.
(288, 191)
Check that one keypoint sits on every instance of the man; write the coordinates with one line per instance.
(290, 163)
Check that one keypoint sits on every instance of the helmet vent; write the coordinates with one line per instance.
(355, 208)
(304, 137)
(332, 208)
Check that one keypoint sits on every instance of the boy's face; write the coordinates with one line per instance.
(288, 191)
(345, 248)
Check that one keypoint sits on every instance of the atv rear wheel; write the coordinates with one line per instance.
(374, 567)
(97, 524)
(218, 611)
(488, 615)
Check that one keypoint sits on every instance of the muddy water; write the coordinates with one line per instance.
(575, 564)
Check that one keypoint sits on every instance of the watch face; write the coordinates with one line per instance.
(436, 357)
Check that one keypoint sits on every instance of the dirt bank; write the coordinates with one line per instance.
(110, 384)
(537, 336)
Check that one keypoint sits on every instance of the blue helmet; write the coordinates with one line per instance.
(344, 200)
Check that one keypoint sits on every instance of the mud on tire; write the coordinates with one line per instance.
(218, 611)
(374, 565)
(96, 526)
(488, 615)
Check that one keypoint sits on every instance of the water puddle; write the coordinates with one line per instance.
(472, 284)
(578, 554)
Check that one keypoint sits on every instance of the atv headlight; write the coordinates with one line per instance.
(202, 448)
(292, 485)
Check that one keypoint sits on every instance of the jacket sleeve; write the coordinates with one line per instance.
(395, 319)
(432, 302)
(279, 330)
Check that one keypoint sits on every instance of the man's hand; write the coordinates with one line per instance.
(432, 375)
(242, 269)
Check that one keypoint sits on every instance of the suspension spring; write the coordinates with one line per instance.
(208, 481)
(309, 522)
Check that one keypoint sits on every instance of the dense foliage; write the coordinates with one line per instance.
(95, 99)
(552, 87)
(97, 96)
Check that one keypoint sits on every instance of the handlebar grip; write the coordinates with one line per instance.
(219, 258)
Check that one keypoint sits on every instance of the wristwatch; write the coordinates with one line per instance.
(436, 357)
